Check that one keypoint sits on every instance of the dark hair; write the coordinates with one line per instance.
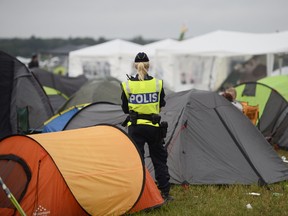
(141, 57)
(228, 96)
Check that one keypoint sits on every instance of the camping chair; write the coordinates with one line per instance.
(22, 120)
(23, 126)
(252, 112)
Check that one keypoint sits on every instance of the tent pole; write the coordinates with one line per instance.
(270, 63)
(211, 85)
(280, 64)
(12, 198)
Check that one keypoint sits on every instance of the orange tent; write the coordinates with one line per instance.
(88, 171)
(150, 198)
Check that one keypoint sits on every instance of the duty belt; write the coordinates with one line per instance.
(133, 116)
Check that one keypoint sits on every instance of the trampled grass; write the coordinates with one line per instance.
(226, 200)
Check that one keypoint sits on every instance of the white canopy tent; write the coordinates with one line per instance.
(228, 43)
(113, 58)
(205, 59)
(280, 71)
(151, 48)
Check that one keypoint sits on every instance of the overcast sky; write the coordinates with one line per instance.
(126, 19)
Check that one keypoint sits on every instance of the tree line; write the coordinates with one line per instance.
(25, 47)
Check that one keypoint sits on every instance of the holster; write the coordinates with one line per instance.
(155, 118)
(125, 122)
(133, 117)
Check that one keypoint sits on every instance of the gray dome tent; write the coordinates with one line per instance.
(97, 113)
(24, 104)
(58, 88)
(64, 84)
(209, 141)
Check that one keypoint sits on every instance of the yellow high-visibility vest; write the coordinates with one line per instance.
(143, 97)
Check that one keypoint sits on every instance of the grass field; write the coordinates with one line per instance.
(226, 200)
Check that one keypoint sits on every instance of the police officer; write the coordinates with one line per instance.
(142, 98)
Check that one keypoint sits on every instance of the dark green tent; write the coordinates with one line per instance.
(106, 89)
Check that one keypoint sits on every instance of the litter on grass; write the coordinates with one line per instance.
(254, 194)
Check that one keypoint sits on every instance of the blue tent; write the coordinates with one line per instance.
(58, 122)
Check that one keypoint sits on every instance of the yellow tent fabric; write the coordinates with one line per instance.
(101, 166)
(52, 91)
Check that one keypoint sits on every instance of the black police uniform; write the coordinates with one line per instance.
(151, 135)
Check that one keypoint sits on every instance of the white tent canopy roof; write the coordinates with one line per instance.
(229, 43)
(113, 58)
(113, 47)
(151, 48)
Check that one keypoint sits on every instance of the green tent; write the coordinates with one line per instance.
(273, 109)
(279, 83)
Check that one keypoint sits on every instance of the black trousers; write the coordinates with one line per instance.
(151, 135)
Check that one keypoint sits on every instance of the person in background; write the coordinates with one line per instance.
(142, 97)
(34, 63)
(231, 94)
(254, 70)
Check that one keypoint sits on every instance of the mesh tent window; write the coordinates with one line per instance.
(16, 175)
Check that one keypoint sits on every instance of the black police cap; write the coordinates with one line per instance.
(141, 57)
